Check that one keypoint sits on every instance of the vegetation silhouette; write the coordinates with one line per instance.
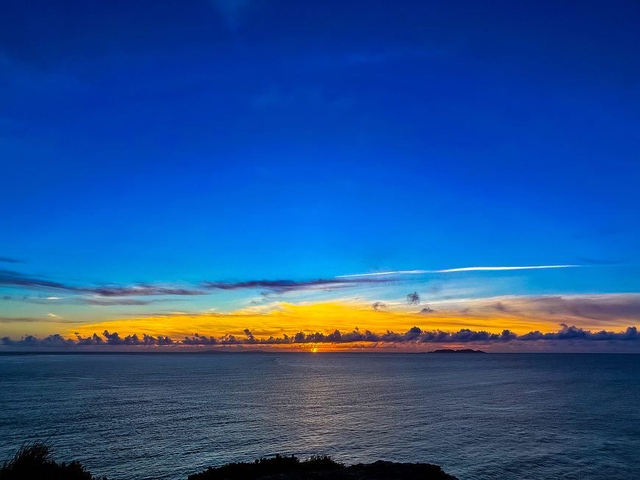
(33, 461)
(321, 468)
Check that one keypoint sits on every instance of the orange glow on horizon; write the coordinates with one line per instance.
(289, 319)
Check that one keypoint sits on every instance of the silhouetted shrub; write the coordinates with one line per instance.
(265, 466)
(33, 462)
(321, 468)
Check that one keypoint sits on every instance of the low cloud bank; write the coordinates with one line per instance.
(115, 339)
(414, 335)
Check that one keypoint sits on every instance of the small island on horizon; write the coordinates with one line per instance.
(34, 461)
(461, 350)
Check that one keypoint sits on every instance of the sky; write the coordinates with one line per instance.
(230, 173)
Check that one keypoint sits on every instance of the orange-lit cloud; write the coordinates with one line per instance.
(518, 314)
(285, 318)
(357, 325)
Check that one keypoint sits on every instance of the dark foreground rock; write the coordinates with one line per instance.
(33, 462)
(321, 468)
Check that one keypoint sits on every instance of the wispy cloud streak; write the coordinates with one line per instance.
(10, 278)
(281, 286)
(454, 270)
(495, 269)
(15, 279)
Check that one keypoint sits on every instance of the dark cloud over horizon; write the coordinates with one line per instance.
(129, 340)
(415, 335)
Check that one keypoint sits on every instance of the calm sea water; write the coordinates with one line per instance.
(478, 416)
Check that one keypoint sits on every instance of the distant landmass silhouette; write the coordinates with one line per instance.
(462, 350)
(34, 462)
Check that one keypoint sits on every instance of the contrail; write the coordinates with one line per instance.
(462, 269)
(491, 269)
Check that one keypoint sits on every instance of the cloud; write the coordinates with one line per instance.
(377, 306)
(108, 302)
(277, 317)
(281, 286)
(10, 260)
(454, 270)
(92, 340)
(139, 289)
(414, 335)
(22, 320)
(494, 269)
(89, 299)
(29, 341)
(16, 279)
(50, 319)
(115, 339)
(250, 337)
(146, 340)
(413, 298)
(596, 307)
(575, 333)
(593, 310)
(11, 278)
(500, 307)
(199, 340)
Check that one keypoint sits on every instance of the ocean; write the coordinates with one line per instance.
(493, 416)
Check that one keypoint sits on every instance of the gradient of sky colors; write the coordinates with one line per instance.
(172, 168)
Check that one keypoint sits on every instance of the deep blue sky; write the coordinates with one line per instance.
(167, 141)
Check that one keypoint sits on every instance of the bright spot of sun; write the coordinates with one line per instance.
(314, 350)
